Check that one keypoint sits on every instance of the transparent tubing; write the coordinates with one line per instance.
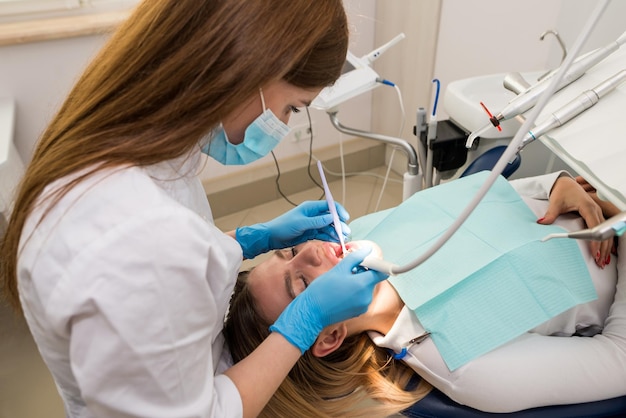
(511, 148)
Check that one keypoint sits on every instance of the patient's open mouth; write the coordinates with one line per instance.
(335, 251)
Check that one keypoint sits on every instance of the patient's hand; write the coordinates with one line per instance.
(608, 208)
(568, 195)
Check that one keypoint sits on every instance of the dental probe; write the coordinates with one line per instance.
(332, 208)
(371, 261)
(527, 99)
(615, 226)
(572, 109)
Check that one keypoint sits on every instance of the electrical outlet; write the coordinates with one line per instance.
(301, 132)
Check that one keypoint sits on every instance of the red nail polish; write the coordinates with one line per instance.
(608, 259)
(598, 256)
(540, 220)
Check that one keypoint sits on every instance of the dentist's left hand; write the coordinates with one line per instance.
(309, 220)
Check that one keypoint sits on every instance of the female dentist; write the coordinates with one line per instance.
(111, 253)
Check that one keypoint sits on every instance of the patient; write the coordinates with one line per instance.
(353, 360)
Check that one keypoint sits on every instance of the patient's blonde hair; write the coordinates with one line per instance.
(338, 385)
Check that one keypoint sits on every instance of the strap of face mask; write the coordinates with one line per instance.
(262, 99)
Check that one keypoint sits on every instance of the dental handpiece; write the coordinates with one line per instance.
(614, 226)
(574, 108)
(528, 98)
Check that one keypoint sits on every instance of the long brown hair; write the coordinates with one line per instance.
(165, 78)
(338, 385)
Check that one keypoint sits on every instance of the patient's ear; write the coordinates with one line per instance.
(329, 340)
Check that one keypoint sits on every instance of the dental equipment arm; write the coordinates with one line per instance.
(526, 100)
(412, 178)
(614, 226)
(574, 108)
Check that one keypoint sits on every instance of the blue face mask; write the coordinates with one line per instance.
(261, 136)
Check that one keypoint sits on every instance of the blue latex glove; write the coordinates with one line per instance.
(341, 293)
(309, 220)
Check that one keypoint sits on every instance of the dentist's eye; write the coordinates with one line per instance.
(293, 252)
(294, 109)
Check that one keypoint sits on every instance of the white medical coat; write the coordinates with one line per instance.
(124, 285)
(536, 369)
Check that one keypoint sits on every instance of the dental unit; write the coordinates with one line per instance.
(535, 98)
(359, 77)
(574, 108)
(528, 98)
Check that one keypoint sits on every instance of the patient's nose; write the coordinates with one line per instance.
(309, 256)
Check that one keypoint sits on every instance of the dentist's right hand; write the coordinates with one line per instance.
(341, 293)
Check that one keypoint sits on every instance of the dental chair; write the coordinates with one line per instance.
(488, 160)
(438, 405)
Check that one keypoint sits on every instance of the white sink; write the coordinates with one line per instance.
(462, 99)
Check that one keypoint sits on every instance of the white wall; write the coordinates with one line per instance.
(471, 37)
(497, 36)
(39, 75)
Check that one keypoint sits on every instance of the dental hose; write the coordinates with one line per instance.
(511, 150)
